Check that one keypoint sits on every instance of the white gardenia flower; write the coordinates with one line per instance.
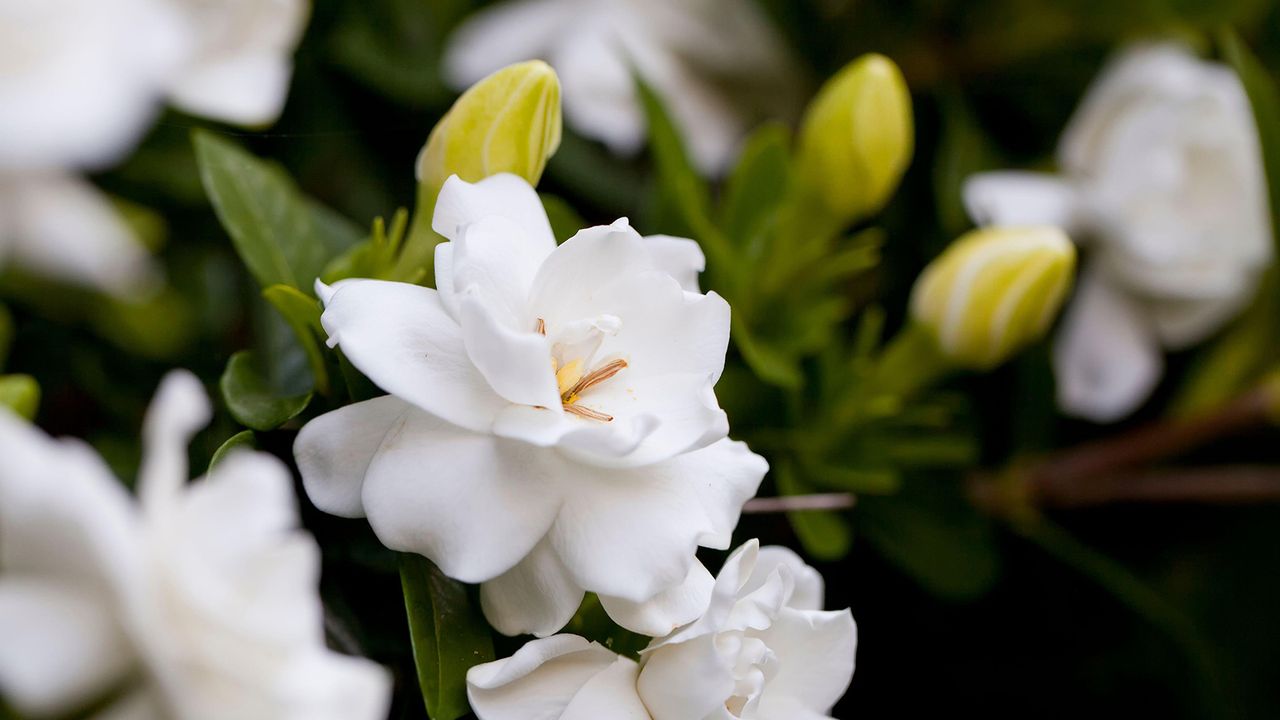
(708, 59)
(763, 650)
(197, 602)
(240, 60)
(82, 80)
(552, 426)
(1162, 176)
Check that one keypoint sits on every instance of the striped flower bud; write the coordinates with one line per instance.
(856, 138)
(993, 291)
(508, 122)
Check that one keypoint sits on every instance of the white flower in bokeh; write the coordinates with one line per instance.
(82, 80)
(198, 601)
(552, 425)
(240, 60)
(763, 649)
(710, 60)
(1162, 179)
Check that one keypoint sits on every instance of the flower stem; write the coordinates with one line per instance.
(791, 503)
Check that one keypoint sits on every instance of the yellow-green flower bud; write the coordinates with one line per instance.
(993, 291)
(507, 122)
(20, 394)
(856, 138)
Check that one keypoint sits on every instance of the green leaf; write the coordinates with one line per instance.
(282, 236)
(681, 189)
(253, 399)
(21, 394)
(1265, 101)
(769, 364)
(824, 534)
(935, 537)
(593, 623)
(6, 334)
(302, 312)
(244, 440)
(449, 637)
(757, 185)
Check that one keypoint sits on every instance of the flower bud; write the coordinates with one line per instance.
(856, 138)
(993, 291)
(508, 122)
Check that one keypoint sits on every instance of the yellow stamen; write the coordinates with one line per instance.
(568, 377)
(595, 377)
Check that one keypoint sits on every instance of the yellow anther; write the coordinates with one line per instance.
(568, 376)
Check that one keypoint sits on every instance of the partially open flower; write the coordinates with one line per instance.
(199, 601)
(552, 425)
(993, 291)
(762, 649)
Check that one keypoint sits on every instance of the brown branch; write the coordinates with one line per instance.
(1221, 485)
(791, 503)
(1156, 441)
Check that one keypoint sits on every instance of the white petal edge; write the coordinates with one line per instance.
(334, 450)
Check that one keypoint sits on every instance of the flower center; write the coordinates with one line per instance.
(580, 344)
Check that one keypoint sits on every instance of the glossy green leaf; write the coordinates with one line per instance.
(825, 534)
(282, 236)
(757, 185)
(21, 394)
(253, 399)
(448, 635)
(769, 364)
(244, 440)
(302, 313)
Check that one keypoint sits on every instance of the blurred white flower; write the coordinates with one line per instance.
(763, 649)
(81, 81)
(552, 425)
(197, 601)
(1162, 174)
(240, 60)
(712, 61)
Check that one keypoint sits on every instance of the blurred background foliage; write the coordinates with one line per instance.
(1169, 610)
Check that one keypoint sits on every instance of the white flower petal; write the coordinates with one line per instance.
(83, 78)
(1182, 323)
(401, 337)
(539, 681)
(686, 681)
(681, 258)
(1106, 357)
(667, 610)
(599, 91)
(501, 35)
(62, 513)
(516, 363)
(333, 451)
(815, 659)
(248, 90)
(180, 408)
(324, 685)
(537, 596)
(63, 227)
(504, 195)
(609, 695)
(566, 285)
(632, 533)
(474, 504)
(62, 646)
(1020, 198)
(807, 582)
